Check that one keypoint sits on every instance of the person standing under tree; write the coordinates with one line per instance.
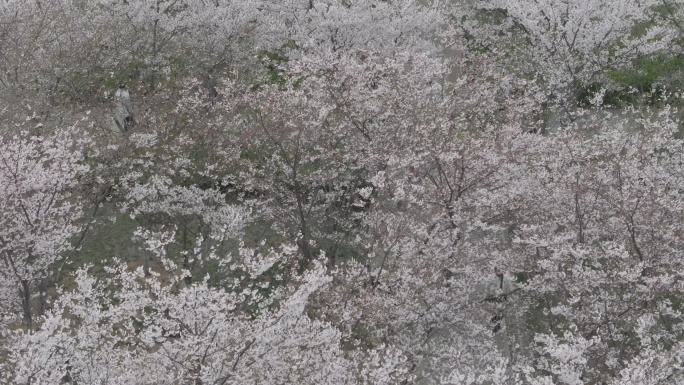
(124, 118)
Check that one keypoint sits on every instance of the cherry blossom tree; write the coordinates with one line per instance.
(607, 256)
(316, 192)
(40, 202)
(568, 45)
(165, 334)
(366, 26)
(426, 195)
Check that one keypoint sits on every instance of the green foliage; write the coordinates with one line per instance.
(646, 72)
(273, 62)
(614, 98)
(251, 153)
(644, 82)
(641, 29)
(523, 277)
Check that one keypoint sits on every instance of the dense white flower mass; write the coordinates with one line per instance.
(341, 192)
